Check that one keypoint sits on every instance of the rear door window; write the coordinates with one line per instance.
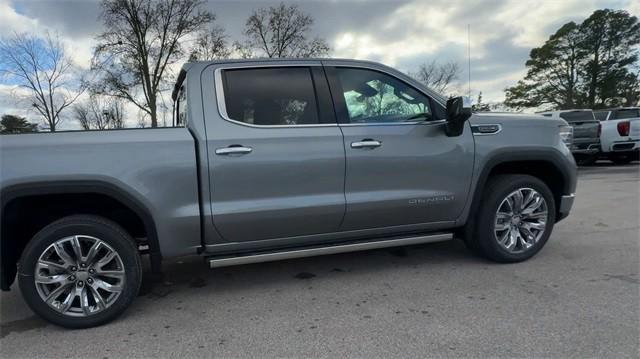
(271, 96)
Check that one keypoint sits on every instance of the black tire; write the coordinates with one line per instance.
(621, 159)
(107, 231)
(586, 160)
(480, 236)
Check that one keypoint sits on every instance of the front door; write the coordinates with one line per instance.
(401, 167)
(276, 156)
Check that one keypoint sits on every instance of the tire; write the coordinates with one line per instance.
(482, 237)
(116, 281)
(621, 159)
(586, 160)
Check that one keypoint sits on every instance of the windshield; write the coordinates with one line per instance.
(627, 113)
(577, 116)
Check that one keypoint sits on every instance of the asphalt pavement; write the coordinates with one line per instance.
(579, 297)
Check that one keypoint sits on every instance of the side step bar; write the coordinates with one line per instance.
(217, 262)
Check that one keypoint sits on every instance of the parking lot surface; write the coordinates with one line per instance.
(579, 297)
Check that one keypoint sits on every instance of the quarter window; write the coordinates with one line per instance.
(374, 97)
(271, 96)
(182, 106)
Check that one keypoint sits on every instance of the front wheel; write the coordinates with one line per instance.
(514, 219)
(80, 271)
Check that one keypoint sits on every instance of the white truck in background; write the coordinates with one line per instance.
(620, 137)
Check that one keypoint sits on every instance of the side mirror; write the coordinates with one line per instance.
(458, 112)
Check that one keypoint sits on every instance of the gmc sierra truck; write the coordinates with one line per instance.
(270, 160)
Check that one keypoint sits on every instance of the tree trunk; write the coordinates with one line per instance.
(153, 109)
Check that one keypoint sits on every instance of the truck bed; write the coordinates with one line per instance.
(156, 167)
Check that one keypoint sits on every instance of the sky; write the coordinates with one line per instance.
(402, 33)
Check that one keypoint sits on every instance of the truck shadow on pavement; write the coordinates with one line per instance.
(191, 274)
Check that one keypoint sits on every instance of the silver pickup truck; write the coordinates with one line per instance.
(272, 160)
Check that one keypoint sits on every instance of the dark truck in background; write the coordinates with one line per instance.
(585, 143)
(272, 160)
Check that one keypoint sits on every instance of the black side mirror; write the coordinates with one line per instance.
(458, 112)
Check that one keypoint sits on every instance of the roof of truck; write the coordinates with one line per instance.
(188, 65)
(619, 108)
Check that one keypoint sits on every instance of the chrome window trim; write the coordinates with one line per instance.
(425, 123)
(222, 106)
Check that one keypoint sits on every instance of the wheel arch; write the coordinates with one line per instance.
(548, 165)
(11, 250)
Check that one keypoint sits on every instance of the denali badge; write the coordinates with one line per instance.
(433, 199)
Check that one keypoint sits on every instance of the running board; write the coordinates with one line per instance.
(333, 249)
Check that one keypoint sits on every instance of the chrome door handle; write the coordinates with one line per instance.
(231, 150)
(366, 144)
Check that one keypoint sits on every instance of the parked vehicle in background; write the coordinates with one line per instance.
(585, 145)
(620, 140)
(273, 160)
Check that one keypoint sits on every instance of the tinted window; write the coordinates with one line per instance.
(182, 106)
(577, 116)
(373, 97)
(601, 115)
(623, 114)
(271, 96)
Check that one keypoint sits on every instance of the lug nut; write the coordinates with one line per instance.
(80, 283)
(83, 265)
(74, 268)
(89, 280)
(91, 270)
(72, 278)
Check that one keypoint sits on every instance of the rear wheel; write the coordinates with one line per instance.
(514, 219)
(80, 271)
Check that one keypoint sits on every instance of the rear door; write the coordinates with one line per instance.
(401, 167)
(276, 158)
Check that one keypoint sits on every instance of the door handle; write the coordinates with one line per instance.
(233, 150)
(366, 143)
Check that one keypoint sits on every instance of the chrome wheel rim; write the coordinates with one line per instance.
(79, 276)
(521, 220)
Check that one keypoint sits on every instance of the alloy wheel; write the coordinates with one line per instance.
(521, 220)
(79, 276)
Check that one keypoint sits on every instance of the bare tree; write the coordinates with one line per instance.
(41, 66)
(210, 45)
(142, 38)
(98, 113)
(280, 31)
(437, 76)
